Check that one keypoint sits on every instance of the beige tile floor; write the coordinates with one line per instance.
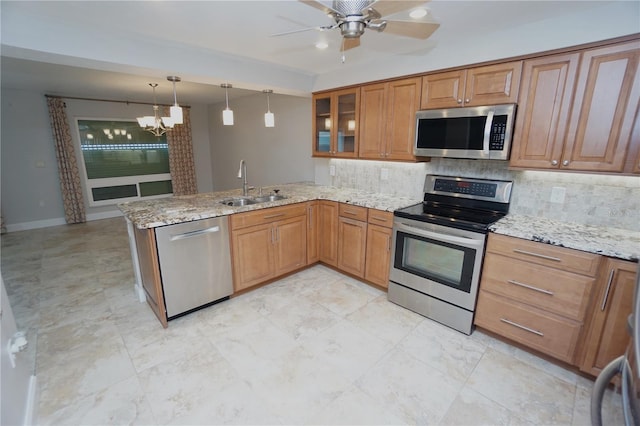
(316, 347)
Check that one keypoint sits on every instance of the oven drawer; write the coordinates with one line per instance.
(534, 328)
(563, 293)
(545, 254)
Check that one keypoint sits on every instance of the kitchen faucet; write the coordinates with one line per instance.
(242, 173)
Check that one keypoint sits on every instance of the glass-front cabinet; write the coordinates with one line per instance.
(335, 124)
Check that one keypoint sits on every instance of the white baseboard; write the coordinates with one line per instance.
(25, 226)
(31, 410)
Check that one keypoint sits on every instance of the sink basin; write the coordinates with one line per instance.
(267, 198)
(237, 201)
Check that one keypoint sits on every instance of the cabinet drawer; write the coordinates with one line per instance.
(380, 217)
(564, 293)
(534, 328)
(353, 212)
(258, 217)
(545, 254)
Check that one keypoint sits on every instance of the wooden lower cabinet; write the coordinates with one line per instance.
(607, 336)
(378, 255)
(328, 232)
(150, 272)
(268, 243)
(536, 294)
(313, 233)
(352, 239)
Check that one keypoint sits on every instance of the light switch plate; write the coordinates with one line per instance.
(384, 174)
(332, 170)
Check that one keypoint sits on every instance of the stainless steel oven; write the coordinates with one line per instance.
(439, 246)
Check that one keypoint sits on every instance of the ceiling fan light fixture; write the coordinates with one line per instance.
(418, 13)
(352, 28)
(322, 45)
(175, 111)
(227, 113)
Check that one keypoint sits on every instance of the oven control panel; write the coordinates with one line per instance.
(472, 188)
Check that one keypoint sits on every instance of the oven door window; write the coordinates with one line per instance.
(445, 263)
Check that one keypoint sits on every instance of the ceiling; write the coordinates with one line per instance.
(37, 54)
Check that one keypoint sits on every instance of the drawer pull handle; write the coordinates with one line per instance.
(515, 324)
(530, 287)
(528, 253)
(606, 292)
(350, 212)
(382, 219)
(271, 216)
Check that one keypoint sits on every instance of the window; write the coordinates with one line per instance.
(123, 162)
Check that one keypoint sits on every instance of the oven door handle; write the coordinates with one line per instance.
(462, 241)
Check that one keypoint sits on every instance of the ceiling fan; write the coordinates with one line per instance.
(353, 17)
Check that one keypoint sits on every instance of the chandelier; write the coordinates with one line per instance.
(156, 124)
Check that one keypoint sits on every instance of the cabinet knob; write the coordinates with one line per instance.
(467, 101)
(459, 101)
(554, 162)
(565, 163)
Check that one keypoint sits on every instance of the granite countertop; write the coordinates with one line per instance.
(613, 242)
(187, 208)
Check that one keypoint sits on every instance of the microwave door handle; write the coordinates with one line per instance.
(467, 242)
(487, 133)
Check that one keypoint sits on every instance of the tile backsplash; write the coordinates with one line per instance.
(590, 199)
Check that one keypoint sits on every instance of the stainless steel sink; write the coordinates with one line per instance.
(237, 201)
(268, 198)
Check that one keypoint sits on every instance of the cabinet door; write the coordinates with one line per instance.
(378, 255)
(605, 109)
(253, 260)
(443, 90)
(373, 101)
(345, 119)
(290, 237)
(607, 336)
(150, 272)
(493, 84)
(352, 242)
(402, 104)
(543, 111)
(322, 134)
(328, 212)
(313, 224)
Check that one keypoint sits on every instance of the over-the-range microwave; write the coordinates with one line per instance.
(480, 132)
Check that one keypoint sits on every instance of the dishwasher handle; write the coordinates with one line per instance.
(195, 233)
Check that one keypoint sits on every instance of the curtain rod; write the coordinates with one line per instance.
(109, 100)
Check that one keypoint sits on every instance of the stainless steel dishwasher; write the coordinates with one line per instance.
(195, 264)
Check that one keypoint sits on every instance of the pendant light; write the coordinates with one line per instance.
(269, 118)
(155, 124)
(175, 110)
(227, 114)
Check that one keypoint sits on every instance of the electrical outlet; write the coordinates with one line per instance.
(384, 174)
(332, 170)
(557, 194)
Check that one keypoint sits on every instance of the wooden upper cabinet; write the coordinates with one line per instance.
(605, 109)
(387, 119)
(488, 85)
(580, 111)
(335, 123)
(543, 110)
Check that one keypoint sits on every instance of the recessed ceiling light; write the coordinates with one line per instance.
(322, 45)
(419, 13)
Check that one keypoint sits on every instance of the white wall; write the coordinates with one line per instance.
(31, 195)
(273, 155)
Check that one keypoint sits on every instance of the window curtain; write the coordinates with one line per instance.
(181, 165)
(72, 199)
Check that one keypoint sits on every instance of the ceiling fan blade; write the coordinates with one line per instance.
(349, 43)
(389, 7)
(411, 29)
(317, 5)
(330, 27)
